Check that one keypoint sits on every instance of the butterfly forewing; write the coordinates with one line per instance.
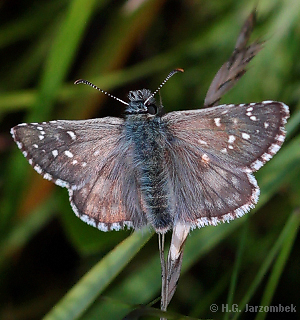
(245, 135)
(68, 152)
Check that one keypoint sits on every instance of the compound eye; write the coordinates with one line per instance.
(152, 109)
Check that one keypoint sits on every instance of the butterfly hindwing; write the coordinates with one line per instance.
(205, 190)
(112, 198)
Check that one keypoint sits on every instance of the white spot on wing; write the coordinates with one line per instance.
(47, 176)
(286, 109)
(61, 183)
(266, 156)
(102, 226)
(205, 158)
(115, 226)
(71, 134)
(234, 180)
(202, 141)
(245, 136)
(89, 220)
(55, 153)
(257, 165)
(280, 138)
(69, 154)
(19, 144)
(267, 102)
(38, 169)
(228, 217)
(274, 148)
(202, 222)
(217, 121)
(231, 139)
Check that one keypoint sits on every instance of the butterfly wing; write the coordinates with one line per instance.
(90, 158)
(212, 154)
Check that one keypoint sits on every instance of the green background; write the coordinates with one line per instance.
(53, 265)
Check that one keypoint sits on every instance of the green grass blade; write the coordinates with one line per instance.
(290, 228)
(132, 289)
(279, 265)
(62, 55)
(57, 66)
(236, 268)
(96, 280)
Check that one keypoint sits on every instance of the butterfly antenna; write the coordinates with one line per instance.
(95, 87)
(166, 79)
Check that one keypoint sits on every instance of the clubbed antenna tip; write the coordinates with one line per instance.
(166, 79)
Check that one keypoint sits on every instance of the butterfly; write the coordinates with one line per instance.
(189, 167)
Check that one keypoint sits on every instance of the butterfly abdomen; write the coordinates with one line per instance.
(147, 137)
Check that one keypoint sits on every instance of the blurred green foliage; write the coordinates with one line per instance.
(51, 259)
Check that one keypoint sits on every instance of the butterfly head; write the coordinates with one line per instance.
(142, 102)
